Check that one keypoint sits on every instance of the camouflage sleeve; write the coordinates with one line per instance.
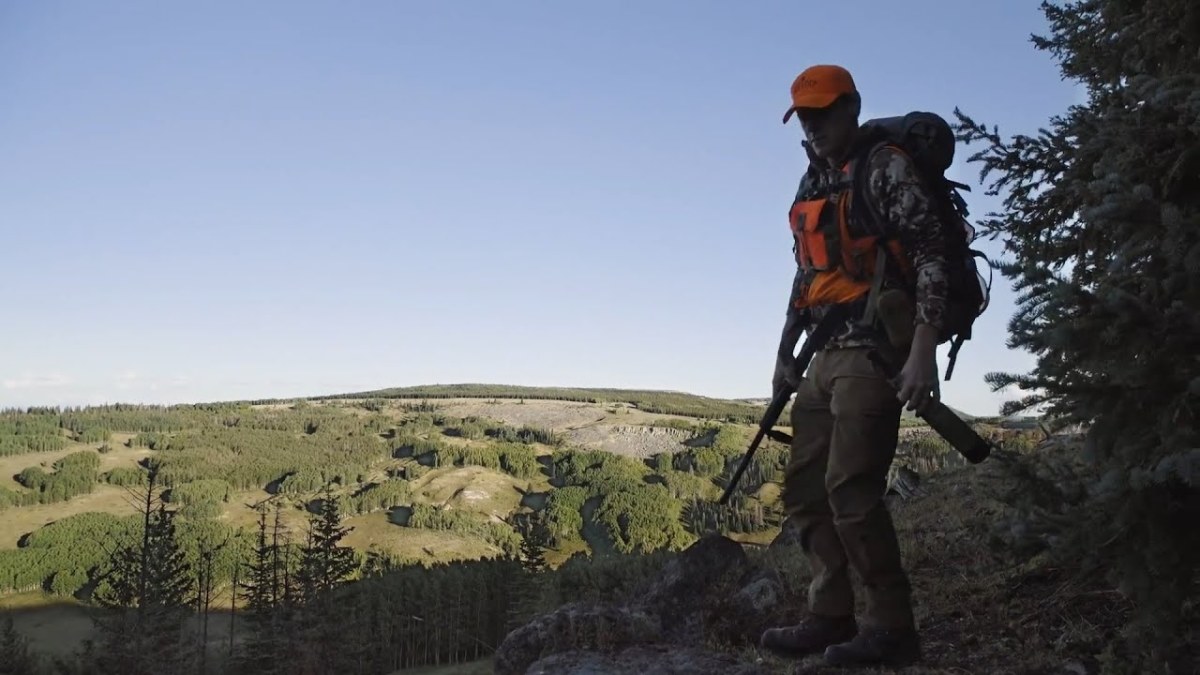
(908, 210)
(798, 320)
(797, 289)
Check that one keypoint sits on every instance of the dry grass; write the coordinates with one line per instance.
(240, 512)
(18, 522)
(119, 455)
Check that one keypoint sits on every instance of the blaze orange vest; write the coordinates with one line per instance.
(839, 254)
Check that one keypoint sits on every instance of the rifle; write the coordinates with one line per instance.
(817, 338)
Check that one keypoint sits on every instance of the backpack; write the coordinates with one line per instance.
(928, 139)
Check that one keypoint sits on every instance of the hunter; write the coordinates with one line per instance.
(862, 222)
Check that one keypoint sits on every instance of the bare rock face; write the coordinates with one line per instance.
(657, 659)
(709, 594)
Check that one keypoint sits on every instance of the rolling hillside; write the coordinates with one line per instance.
(425, 476)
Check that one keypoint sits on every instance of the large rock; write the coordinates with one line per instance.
(709, 593)
(577, 626)
(692, 584)
(644, 660)
(712, 592)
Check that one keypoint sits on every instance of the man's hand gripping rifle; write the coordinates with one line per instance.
(817, 338)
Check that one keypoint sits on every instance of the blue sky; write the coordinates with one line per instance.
(220, 200)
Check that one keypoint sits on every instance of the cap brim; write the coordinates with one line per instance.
(810, 101)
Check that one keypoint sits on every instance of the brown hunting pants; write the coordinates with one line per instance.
(845, 423)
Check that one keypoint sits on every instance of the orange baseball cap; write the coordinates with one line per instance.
(818, 87)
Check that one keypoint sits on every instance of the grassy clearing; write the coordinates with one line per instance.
(426, 546)
(475, 488)
(17, 522)
(119, 455)
(239, 512)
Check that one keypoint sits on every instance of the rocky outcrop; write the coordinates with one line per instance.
(709, 594)
(632, 441)
(712, 592)
(574, 627)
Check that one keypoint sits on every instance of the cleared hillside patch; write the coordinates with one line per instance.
(17, 522)
(376, 530)
(475, 488)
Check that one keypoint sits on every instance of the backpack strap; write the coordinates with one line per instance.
(955, 345)
(862, 206)
(868, 316)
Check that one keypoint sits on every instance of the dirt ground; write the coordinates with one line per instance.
(980, 607)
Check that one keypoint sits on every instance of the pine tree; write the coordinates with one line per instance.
(269, 598)
(527, 587)
(258, 588)
(325, 564)
(206, 585)
(148, 589)
(534, 542)
(1102, 220)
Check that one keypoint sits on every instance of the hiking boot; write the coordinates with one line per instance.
(809, 636)
(877, 646)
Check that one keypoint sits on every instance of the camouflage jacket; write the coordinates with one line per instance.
(908, 211)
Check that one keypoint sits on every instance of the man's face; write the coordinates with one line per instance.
(829, 130)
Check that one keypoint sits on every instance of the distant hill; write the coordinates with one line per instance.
(651, 401)
(743, 410)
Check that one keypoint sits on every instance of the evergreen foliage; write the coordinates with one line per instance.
(124, 476)
(379, 497)
(324, 566)
(1102, 220)
(563, 514)
(643, 520)
(148, 587)
(204, 490)
(33, 431)
(73, 475)
(324, 562)
(465, 522)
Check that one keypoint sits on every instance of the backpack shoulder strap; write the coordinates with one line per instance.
(864, 203)
(865, 207)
